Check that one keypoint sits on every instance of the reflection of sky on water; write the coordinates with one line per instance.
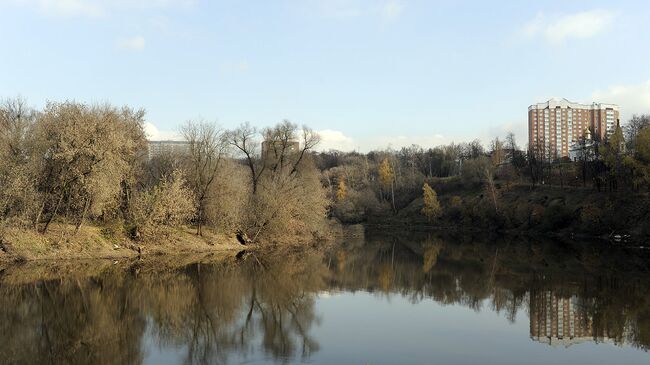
(365, 328)
(373, 328)
(388, 301)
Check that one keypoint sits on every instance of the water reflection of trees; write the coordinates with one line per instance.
(265, 304)
(209, 311)
(70, 322)
(609, 285)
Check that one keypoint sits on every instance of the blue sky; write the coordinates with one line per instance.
(365, 73)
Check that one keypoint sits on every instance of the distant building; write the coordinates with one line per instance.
(157, 148)
(583, 148)
(275, 148)
(554, 125)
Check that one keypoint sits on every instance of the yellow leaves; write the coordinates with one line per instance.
(455, 202)
(386, 173)
(386, 276)
(431, 206)
(169, 203)
(341, 259)
(342, 191)
(430, 255)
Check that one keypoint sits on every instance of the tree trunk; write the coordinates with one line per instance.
(83, 215)
(51, 217)
(392, 193)
(38, 216)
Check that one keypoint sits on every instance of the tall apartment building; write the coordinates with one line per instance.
(554, 125)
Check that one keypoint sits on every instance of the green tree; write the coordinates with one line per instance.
(633, 127)
(612, 154)
(431, 206)
(639, 165)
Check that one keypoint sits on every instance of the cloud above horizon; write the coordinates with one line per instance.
(154, 134)
(632, 99)
(557, 29)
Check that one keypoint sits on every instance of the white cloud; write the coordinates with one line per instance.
(136, 43)
(332, 139)
(559, 28)
(519, 128)
(391, 10)
(335, 140)
(632, 99)
(154, 134)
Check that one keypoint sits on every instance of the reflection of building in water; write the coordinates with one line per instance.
(558, 321)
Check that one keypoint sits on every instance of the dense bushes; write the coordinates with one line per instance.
(72, 162)
(167, 204)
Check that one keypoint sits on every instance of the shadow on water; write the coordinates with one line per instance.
(264, 304)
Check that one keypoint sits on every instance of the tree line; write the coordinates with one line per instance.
(74, 163)
(388, 181)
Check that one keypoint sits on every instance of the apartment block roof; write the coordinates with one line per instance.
(564, 103)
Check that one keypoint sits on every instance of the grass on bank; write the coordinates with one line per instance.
(61, 242)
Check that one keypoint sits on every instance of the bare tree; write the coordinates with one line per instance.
(207, 145)
(85, 154)
(16, 180)
(490, 187)
(497, 151)
(283, 149)
(310, 140)
(286, 192)
(244, 140)
(633, 127)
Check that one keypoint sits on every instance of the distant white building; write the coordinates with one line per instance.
(157, 148)
(582, 149)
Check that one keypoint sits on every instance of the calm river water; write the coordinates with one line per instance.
(377, 298)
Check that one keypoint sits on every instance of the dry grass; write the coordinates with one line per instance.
(61, 242)
(184, 240)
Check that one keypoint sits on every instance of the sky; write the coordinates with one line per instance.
(365, 74)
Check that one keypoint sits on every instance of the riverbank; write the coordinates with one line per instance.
(62, 242)
(552, 211)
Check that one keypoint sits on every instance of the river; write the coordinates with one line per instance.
(375, 298)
